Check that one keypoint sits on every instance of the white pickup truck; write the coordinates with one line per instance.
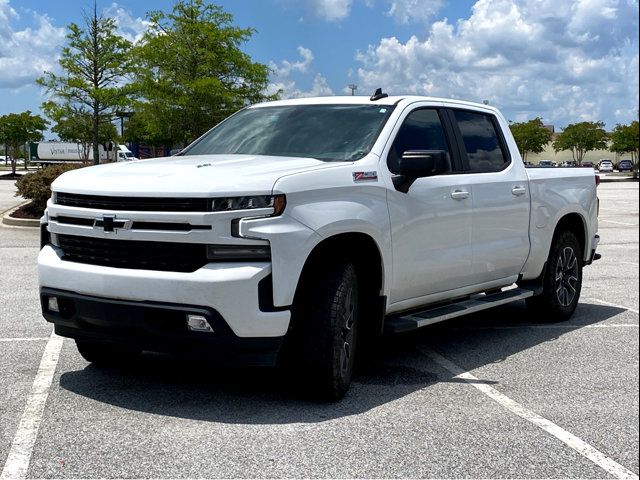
(302, 229)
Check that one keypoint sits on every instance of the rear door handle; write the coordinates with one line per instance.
(459, 194)
(518, 190)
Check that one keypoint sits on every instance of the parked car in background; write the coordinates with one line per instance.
(569, 163)
(625, 166)
(546, 163)
(588, 164)
(605, 166)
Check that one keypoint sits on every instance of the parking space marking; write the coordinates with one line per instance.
(24, 339)
(618, 223)
(24, 440)
(565, 326)
(634, 310)
(573, 442)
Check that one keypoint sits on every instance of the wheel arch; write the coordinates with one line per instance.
(366, 255)
(575, 223)
(359, 248)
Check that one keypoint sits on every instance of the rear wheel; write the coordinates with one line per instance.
(105, 354)
(562, 281)
(327, 330)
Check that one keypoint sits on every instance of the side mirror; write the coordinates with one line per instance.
(423, 163)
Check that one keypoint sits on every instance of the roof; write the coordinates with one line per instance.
(364, 100)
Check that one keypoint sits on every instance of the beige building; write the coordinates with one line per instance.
(594, 156)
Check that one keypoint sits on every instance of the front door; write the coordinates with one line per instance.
(431, 221)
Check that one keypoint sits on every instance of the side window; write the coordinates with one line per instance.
(421, 130)
(481, 141)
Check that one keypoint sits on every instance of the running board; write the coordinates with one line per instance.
(474, 304)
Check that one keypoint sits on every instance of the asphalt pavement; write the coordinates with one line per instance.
(493, 395)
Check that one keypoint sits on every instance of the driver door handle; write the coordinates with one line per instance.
(518, 190)
(459, 194)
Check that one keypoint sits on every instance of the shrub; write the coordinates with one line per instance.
(36, 186)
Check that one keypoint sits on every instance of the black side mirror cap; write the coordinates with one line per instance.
(423, 163)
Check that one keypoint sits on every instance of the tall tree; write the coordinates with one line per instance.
(581, 138)
(531, 136)
(626, 139)
(192, 72)
(16, 129)
(96, 63)
(75, 124)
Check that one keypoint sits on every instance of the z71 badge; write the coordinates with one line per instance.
(365, 176)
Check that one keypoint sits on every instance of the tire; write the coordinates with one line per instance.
(326, 319)
(105, 354)
(562, 280)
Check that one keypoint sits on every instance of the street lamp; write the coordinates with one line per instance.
(353, 88)
(122, 115)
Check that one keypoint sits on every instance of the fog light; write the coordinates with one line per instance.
(198, 323)
(52, 305)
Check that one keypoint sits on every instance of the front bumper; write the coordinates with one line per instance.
(231, 289)
(159, 327)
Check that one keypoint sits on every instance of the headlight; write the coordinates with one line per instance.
(277, 202)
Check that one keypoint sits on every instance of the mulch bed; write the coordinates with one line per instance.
(27, 211)
(9, 176)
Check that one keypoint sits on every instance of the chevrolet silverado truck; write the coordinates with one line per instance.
(301, 230)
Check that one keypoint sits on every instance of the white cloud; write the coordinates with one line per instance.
(286, 67)
(25, 54)
(331, 10)
(566, 61)
(130, 27)
(406, 11)
(283, 83)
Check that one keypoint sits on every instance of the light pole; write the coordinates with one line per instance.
(122, 115)
(353, 88)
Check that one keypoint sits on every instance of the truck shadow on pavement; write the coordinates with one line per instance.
(193, 388)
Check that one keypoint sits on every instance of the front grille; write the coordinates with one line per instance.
(139, 204)
(140, 255)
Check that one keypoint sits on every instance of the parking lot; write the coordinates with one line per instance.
(492, 395)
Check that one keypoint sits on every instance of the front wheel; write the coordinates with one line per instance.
(327, 324)
(562, 281)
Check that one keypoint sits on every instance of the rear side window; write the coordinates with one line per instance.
(481, 141)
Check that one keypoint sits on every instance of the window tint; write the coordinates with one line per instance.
(325, 132)
(481, 142)
(421, 130)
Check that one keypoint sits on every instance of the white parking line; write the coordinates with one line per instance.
(19, 456)
(597, 300)
(618, 223)
(24, 339)
(573, 442)
(565, 326)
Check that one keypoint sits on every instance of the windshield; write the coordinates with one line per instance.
(325, 132)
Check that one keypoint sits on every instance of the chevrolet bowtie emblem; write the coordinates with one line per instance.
(109, 224)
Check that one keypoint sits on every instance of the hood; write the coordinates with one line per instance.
(186, 176)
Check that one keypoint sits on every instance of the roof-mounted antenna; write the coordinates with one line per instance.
(377, 95)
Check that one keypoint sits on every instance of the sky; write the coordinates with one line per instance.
(562, 60)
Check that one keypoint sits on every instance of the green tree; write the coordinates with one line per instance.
(75, 124)
(626, 139)
(192, 73)
(96, 63)
(17, 129)
(531, 136)
(581, 138)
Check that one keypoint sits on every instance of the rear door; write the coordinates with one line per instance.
(501, 198)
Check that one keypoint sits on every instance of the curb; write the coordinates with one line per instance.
(7, 219)
(617, 179)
